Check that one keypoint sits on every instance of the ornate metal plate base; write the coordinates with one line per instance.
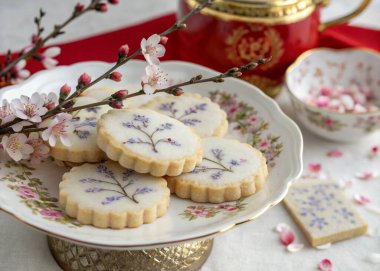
(184, 257)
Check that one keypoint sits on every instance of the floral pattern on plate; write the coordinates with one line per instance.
(33, 194)
(193, 212)
(245, 119)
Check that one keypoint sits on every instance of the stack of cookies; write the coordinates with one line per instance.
(128, 161)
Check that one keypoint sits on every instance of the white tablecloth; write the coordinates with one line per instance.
(252, 246)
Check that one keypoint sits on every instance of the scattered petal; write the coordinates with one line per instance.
(294, 247)
(362, 199)
(281, 227)
(374, 152)
(324, 246)
(374, 258)
(366, 175)
(315, 167)
(287, 237)
(325, 265)
(335, 153)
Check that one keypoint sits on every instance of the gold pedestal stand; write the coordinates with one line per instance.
(184, 257)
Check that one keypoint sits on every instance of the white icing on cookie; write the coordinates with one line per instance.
(150, 134)
(109, 187)
(200, 113)
(224, 162)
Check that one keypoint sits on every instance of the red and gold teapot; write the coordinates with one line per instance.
(234, 32)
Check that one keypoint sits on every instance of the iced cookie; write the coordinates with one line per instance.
(110, 196)
(323, 212)
(200, 113)
(83, 146)
(229, 170)
(149, 142)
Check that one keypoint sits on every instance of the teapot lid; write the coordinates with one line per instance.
(266, 11)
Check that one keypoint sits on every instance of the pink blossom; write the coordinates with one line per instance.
(6, 113)
(54, 214)
(152, 49)
(47, 57)
(366, 175)
(314, 167)
(155, 78)
(335, 153)
(325, 265)
(19, 73)
(362, 199)
(50, 100)
(28, 193)
(287, 237)
(346, 183)
(59, 128)
(40, 150)
(16, 147)
(30, 109)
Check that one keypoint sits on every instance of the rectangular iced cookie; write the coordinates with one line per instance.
(323, 212)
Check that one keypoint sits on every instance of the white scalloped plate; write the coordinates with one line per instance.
(30, 195)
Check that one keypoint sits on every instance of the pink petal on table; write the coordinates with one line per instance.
(366, 175)
(362, 199)
(374, 258)
(314, 167)
(324, 246)
(374, 151)
(325, 265)
(287, 237)
(281, 227)
(335, 153)
(294, 247)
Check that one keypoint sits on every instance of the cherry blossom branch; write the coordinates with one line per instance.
(176, 90)
(57, 31)
(122, 59)
(85, 82)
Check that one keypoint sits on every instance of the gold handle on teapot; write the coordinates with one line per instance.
(345, 18)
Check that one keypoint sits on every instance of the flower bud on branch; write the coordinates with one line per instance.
(115, 76)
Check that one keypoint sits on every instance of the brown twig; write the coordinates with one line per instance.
(53, 34)
(121, 61)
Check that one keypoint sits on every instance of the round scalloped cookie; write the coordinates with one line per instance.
(109, 196)
(149, 142)
(83, 146)
(229, 171)
(200, 113)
